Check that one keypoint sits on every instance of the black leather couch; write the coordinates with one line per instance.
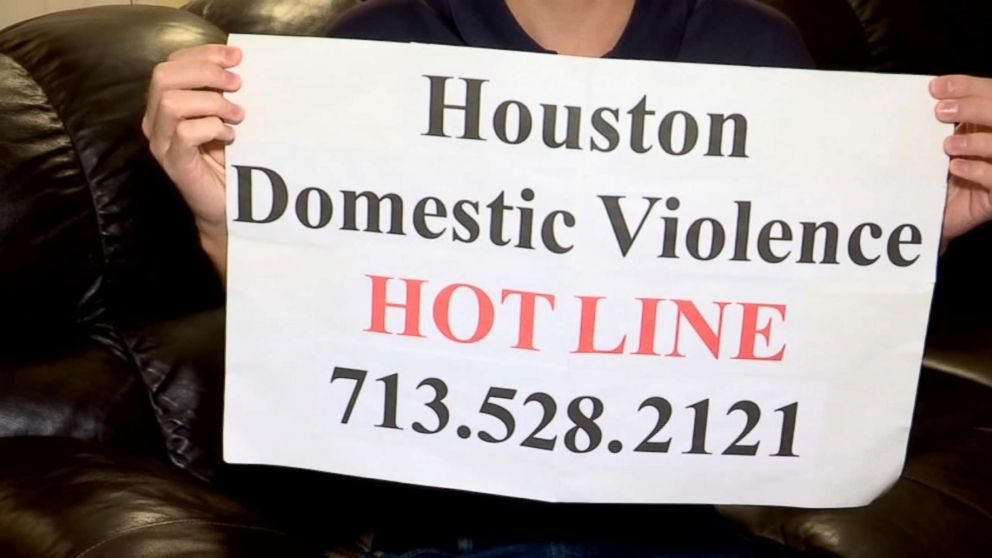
(111, 319)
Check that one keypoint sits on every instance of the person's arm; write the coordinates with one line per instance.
(187, 123)
(967, 102)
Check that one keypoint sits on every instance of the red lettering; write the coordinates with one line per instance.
(649, 322)
(750, 331)
(706, 334)
(411, 306)
(587, 329)
(442, 309)
(528, 301)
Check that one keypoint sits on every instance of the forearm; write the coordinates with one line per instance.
(215, 246)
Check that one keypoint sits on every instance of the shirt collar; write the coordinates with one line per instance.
(655, 30)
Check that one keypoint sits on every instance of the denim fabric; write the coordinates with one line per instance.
(563, 550)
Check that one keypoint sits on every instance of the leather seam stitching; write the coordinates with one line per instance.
(126, 342)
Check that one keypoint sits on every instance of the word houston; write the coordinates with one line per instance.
(676, 133)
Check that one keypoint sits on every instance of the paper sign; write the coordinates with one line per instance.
(578, 280)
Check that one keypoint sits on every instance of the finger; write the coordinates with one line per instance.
(978, 172)
(223, 55)
(969, 145)
(177, 106)
(973, 110)
(957, 87)
(191, 134)
(186, 75)
(216, 150)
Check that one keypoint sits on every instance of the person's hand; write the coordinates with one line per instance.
(187, 123)
(966, 101)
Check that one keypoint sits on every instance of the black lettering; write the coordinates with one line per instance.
(469, 222)
(325, 208)
(471, 108)
(373, 203)
(526, 221)
(765, 240)
(548, 235)
(690, 134)
(571, 141)
(280, 196)
(743, 231)
(718, 122)
(896, 243)
(620, 229)
(496, 209)
(717, 239)
(524, 122)
(638, 115)
(671, 226)
(606, 129)
(855, 244)
(810, 231)
(421, 213)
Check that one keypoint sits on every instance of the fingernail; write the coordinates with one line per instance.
(957, 143)
(231, 78)
(948, 108)
(960, 166)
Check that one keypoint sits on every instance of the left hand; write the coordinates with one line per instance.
(967, 102)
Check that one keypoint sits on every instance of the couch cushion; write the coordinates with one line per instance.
(271, 17)
(66, 499)
(85, 392)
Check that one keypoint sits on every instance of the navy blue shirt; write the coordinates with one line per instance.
(742, 32)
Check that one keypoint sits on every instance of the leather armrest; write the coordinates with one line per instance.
(61, 498)
(87, 392)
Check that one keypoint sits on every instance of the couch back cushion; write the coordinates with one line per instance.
(90, 227)
(49, 255)
(271, 17)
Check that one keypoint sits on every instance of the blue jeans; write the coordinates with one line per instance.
(455, 526)
(579, 550)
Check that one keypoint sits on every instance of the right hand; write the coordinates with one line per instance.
(187, 123)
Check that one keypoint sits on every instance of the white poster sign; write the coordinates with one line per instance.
(578, 280)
